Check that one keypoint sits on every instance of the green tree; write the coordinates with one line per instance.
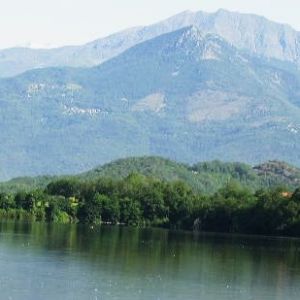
(7, 201)
(64, 187)
(130, 211)
(179, 200)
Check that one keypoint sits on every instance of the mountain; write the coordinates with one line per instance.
(14, 61)
(207, 177)
(247, 32)
(183, 95)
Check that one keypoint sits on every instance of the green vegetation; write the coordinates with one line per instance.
(138, 200)
(237, 107)
(26, 184)
(205, 177)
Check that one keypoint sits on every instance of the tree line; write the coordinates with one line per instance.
(144, 201)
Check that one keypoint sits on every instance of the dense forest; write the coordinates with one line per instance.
(139, 200)
(203, 177)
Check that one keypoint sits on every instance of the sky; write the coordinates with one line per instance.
(48, 23)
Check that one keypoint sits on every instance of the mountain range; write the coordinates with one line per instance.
(251, 33)
(195, 87)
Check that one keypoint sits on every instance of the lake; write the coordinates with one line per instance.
(40, 261)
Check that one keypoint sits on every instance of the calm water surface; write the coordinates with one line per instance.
(39, 261)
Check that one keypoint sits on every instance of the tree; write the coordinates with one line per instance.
(179, 200)
(20, 199)
(6, 201)
(130, 211)
(110, 209)
(64, 187)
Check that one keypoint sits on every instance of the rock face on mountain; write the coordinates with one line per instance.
(185, 95)
(250, 33)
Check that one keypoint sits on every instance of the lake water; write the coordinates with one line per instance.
(39, 261)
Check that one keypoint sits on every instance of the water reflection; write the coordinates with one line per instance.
(43, 261)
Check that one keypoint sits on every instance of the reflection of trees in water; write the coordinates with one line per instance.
(234, 260)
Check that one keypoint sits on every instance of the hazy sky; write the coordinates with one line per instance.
(61, 22)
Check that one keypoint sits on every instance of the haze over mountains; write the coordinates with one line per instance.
(227, 87)
(247, 32)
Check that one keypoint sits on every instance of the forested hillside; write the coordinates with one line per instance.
(206, 177)
(184, 95)
(142, 201)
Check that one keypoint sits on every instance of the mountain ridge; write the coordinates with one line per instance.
(183, 95)
(245, 31)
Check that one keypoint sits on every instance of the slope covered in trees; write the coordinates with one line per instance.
(206, 177)
(138, 200)
(184, 95)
